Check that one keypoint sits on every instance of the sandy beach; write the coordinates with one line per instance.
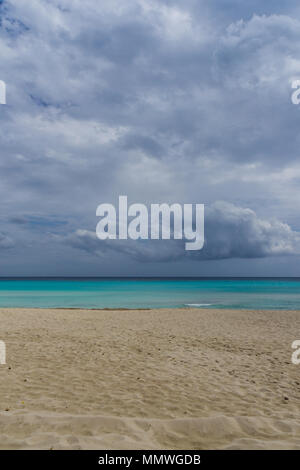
(149, 379)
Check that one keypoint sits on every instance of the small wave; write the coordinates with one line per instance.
(197, 305)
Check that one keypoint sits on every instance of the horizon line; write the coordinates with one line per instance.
(143, 277)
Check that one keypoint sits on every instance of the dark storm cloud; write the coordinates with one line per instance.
(230, 232)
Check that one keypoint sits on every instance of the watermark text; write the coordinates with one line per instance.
(2, 353)
(2, 92)
(296, 354)
(163, 221)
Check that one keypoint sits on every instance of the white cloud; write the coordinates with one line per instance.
(230, 232)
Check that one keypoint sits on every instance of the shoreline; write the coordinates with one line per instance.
(143, 309)
(193, 378)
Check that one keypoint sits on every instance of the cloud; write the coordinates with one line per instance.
(230, 232)
(5, 242)
(36, 222)
(235, 232)
(162, 101)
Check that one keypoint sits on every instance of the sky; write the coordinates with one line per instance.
(165, 102)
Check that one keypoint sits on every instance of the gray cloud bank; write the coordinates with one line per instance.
(230, 232)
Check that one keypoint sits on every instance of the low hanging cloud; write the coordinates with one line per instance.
(235, 232)
(5, 242)
(230, 232)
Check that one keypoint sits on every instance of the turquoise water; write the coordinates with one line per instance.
(151, 293)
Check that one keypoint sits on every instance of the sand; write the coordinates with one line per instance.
(152, 379)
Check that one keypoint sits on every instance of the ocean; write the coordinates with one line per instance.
(89, 293)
